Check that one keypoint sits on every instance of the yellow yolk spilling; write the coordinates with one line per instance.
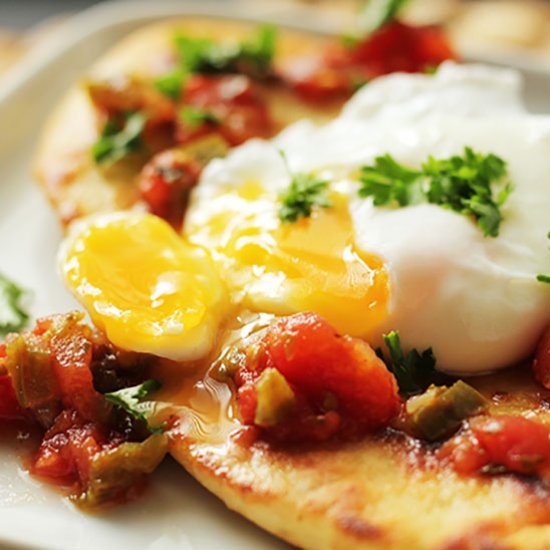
(146, 288)
(283, 268)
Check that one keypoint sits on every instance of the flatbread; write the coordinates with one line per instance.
(383, 492)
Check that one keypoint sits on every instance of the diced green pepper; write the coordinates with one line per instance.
(208, 148)
(275, 398)
(29, 365)
(113, 473)
(439, 411)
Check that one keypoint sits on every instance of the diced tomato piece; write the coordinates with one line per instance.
(517, 443)
(404, 48)
(165, 183)
(513, 442)
(71, 358)
(396, 47)
(9, 407)
(541, 362)
(67, 449)
(339, 382)
(313, 356)
(317, 80)
(238, 111)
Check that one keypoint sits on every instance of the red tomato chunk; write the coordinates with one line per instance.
(514, 443)
(68, 447)
(234, 104)
(339, 383)
(396, 47)
(166, 181)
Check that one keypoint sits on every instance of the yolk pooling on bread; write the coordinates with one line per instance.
(283, 268)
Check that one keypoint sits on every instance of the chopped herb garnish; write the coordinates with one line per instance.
(377, 13)
(195, 117)
(389, 182)
(171, 84)
(12, 315)
(544, 278)
(116, 142)
(304, 192)
(253, 56)
(414, 371)
(131, 401)
(461, 183)
(260, 49)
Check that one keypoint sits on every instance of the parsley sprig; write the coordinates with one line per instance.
(377, 13)
(171, 83)
(465, 184)
(13, 317)
(253, 56)
(117, 141)
(131, 399)
(304, 193)
(195, 116)
(544, 278)
(414, 371)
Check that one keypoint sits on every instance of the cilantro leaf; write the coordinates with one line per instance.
(171, 84)
(130, 400)
(12, 315)
(252, 57)
(115, 142)
(304, 192)
(377, 13)
(415, 371)
(544, 278)
(195, 116)
(461, 183)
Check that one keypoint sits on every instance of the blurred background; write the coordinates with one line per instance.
(502, 27)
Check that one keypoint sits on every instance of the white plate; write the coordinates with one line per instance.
(177, 512)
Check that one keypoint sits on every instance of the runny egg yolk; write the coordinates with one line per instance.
(283, 268)
(146, 288)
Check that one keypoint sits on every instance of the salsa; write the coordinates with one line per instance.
(89, 446)
(310, 382)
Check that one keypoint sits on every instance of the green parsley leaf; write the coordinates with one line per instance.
(12, 315)
(195, 117)
(377, 13)
(171, 84)
(260, 49)
(388, 182)
(304, 192)
(130, 400)
(115, 142)
(415, 371)
(461, 183)
(544, 278)
(252, 57)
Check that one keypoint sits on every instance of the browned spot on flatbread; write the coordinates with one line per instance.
(359, 528)
(481, 538)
